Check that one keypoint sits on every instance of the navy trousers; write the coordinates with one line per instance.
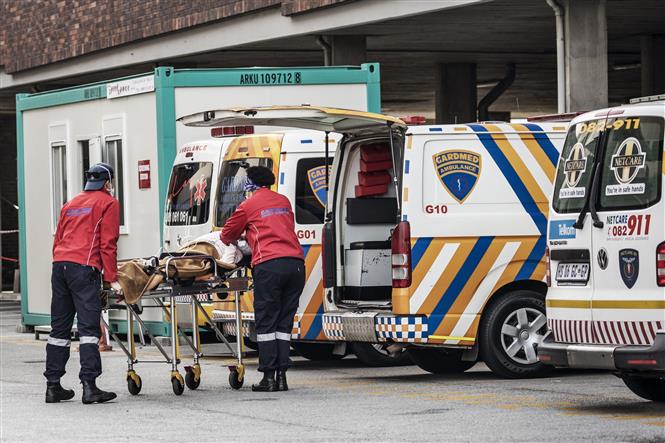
(278, 284)
(76, 290)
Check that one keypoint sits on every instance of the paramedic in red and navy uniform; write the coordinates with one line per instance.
(278, 271)
(84, 247)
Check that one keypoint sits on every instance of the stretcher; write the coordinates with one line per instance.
(228, 284)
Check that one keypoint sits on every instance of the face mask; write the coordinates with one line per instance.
(111, 190)
(250, 186)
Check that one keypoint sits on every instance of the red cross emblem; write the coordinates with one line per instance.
(200, 193)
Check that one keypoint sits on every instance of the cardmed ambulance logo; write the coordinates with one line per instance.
(629, 265)
(626, 163)
(573, 169)
(317, 180)
(458, 171)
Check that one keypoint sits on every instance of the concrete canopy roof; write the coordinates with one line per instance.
(490, 34)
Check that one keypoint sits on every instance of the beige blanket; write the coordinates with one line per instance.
(135, 281)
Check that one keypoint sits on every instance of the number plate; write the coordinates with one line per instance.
(572, 272)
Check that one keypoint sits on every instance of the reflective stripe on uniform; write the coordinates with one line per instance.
(266, 337)
(284, 336)
(89, 340)
(59, 342)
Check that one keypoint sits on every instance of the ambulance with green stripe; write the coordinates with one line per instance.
(434, 237)
(606, 303)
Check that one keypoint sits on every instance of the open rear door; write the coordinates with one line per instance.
(343, 121)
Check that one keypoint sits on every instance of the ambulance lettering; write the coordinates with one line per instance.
(458, 171)
(628, 227)
(626, 163)
(573, 168)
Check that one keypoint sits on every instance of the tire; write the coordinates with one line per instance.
(510, 330)
(374, 355)
(177, 385)
(648, 388)
(134, 386)
(234, 380)
(191, 381)
(316, 351)
(440, 360)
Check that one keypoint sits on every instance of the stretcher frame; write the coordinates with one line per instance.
(232, 282)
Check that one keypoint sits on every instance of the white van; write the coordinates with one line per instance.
(207, 184)
(606, 303)
(435, 236)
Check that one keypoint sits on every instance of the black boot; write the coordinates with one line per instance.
(55, 393)
(92, 394)
(267, 384)
(281, 381)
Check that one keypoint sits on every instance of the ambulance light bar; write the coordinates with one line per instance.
(648, 98)
(414, 120)
(565, 117)
(229, 131)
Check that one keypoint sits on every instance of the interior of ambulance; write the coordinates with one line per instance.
(366, 210)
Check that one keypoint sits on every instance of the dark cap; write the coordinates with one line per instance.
(97, 175)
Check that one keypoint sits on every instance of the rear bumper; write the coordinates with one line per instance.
(613, 357)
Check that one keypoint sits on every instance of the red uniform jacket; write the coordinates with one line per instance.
(268, 219)
(88, 232)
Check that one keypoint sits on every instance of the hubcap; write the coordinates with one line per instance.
(522, 330)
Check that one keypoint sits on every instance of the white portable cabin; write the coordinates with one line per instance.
(131, 123)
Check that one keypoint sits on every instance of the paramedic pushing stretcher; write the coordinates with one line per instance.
(85, 244)
(278, 271)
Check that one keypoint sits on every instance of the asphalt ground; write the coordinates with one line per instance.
(339, 400)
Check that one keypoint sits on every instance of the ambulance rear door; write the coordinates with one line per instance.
(627, 303)
(189, 201)
(302, 178)
(570, 234)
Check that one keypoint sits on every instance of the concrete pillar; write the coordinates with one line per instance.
(348, 49)
(456, 94)
(653, 64)
(586, 54)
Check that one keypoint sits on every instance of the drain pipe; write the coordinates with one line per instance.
(327, 50)
(560, 56)
(495, 92)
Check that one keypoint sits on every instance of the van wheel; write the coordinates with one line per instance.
(511, 330)
(375, 355)
(648, 388)
(316, 351)
(440, 360)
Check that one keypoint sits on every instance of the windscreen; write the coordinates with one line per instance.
(188, 201)
(231, 189)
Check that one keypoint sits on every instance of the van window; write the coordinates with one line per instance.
(311, 191)
(231, 189)
(188, 201)
(574, 170)
(631, 175)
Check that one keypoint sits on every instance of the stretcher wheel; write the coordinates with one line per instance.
(235, 379)
(177, 383)
(192, 380)
(134, 383)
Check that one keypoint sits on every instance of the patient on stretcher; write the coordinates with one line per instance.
(138, 276)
